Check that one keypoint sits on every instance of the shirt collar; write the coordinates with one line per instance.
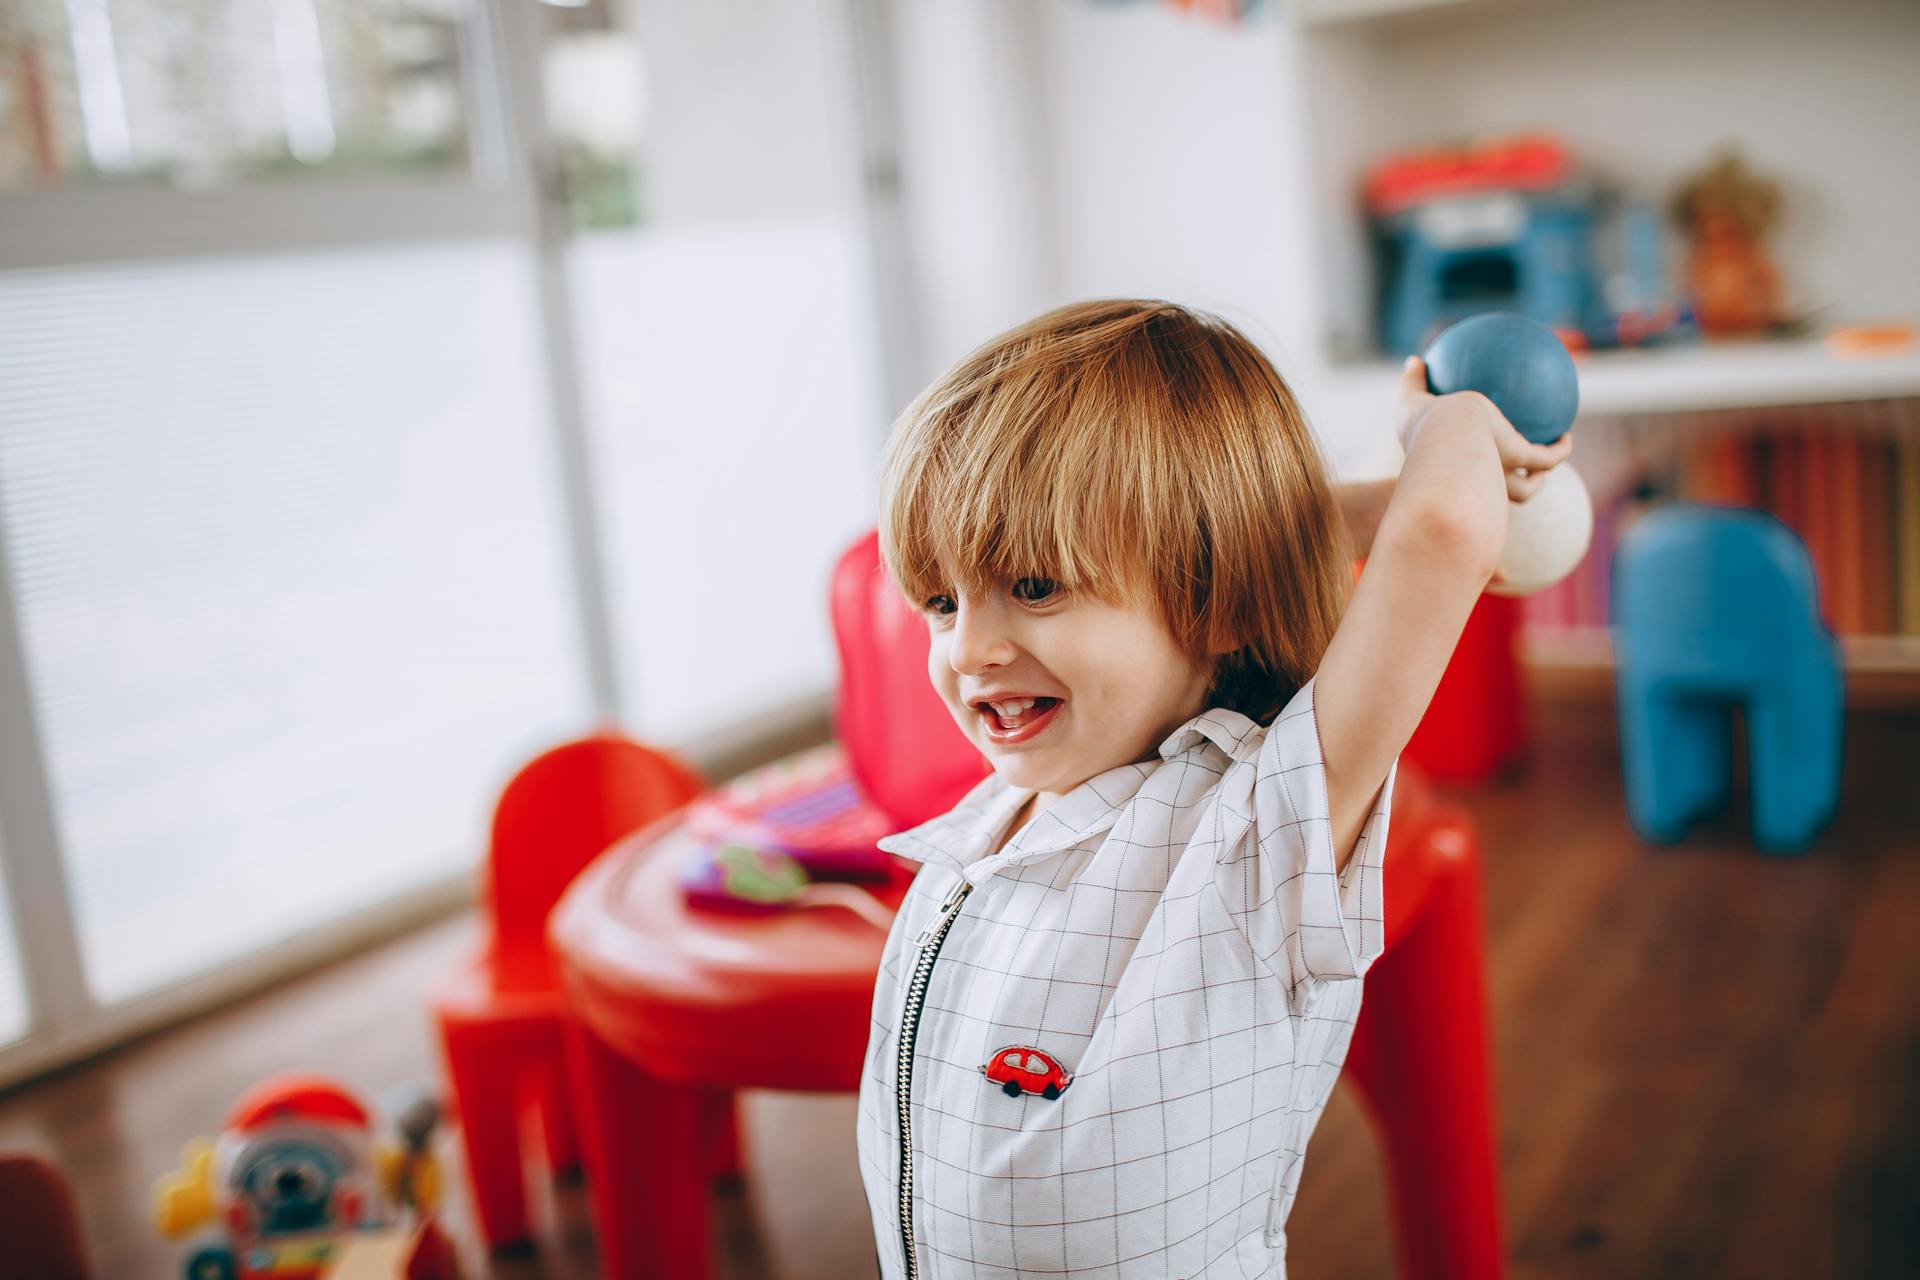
(960, 838)
(1234, 733)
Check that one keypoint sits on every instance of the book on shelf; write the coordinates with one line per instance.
(1906, 518)
(1844, 478)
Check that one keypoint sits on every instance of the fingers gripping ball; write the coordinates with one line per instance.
(1515, 362)
(1519, 365)
(1546, 535)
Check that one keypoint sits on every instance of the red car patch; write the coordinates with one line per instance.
(1021, 1068)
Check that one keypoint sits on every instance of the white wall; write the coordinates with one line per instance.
(1064, 150)
(749, 112)
(976, 195)
(1170, 150)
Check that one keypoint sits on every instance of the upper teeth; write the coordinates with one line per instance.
(1017, 707)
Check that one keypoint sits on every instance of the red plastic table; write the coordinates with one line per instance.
(670, 1010)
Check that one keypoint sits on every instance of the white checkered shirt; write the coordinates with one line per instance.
(1173, 934)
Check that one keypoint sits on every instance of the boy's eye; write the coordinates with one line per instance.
(1034, 590)
(942, 605)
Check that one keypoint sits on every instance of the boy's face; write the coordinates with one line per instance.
(1109, 680)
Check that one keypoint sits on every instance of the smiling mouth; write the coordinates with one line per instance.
(1018, 720)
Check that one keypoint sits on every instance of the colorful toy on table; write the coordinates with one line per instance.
(807, 807)
(1527, 373)
(296, 1182)
(741, 879)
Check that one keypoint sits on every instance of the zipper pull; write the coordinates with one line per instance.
(949, 907)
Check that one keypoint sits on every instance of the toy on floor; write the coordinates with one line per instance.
(740, 879)
(807, 807)
(1526, 371)
(296, 1185)
(1715, 609)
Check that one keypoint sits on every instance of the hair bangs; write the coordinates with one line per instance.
(1017, 481)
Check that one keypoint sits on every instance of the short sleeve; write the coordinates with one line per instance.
(1275, 860)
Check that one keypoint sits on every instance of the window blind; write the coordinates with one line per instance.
(13, 995)
(292, 582)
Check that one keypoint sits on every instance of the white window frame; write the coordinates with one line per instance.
(512, 192)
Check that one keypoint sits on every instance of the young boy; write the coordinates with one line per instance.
(1114, 1003)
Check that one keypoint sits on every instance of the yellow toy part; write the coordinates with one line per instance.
(183, 1201)
(410, 1179)
(387, 1159)
(426, 1183)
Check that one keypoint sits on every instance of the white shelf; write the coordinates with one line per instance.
(1583, 648)
(1354, 13)
(1746, 375)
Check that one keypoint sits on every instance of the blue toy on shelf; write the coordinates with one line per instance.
(1502, 251)
(1715, 608)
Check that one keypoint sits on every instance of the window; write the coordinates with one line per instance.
(291, 580)
(226, 92)
(343, 467)
(13, 996)
(727, 350)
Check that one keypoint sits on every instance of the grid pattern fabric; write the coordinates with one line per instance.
(1175, 934)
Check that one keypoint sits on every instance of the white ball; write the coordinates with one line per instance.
(1547, 535)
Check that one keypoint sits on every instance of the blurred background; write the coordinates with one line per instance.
(392, 388)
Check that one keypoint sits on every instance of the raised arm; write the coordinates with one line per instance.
(1435, 547)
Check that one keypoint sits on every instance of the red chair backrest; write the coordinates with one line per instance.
(560, 812)
(903, 747)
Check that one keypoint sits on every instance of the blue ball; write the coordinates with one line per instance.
(1515, 362)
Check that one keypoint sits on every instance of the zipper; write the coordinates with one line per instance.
(928, 942)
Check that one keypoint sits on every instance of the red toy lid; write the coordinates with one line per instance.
(1527, 162)
(295, 1097)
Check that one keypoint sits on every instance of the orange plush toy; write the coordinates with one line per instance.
(1727, 211)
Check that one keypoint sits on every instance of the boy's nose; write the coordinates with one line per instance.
(978, 642)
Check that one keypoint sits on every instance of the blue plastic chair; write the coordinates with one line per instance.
(1715, 608)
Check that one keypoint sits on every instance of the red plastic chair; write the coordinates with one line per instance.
(1419, 1053)
(1476, 724)
(39, 1222)
(886, 703)
(500, 1014)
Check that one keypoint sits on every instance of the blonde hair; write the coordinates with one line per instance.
(1141, 452)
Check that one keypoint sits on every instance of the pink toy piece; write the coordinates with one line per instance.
(807, 807)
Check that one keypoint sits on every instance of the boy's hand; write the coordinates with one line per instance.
(1524, 462)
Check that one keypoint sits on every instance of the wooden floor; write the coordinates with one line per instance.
(1708, 1061)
